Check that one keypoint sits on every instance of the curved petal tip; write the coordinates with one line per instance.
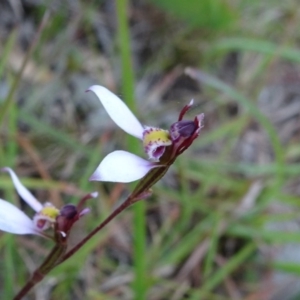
(23, 192)
(118, 111)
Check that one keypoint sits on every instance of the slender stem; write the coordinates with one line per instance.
(141, 189)
(49, 263)
(116, 212)
(149, 180)
(29, 285)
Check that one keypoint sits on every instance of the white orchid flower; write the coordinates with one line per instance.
(161, 146)
(13, 220)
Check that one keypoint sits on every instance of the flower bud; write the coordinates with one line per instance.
(68, 211)
(184, 128)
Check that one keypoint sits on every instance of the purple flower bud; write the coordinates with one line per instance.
(69, 211)
(185, 128)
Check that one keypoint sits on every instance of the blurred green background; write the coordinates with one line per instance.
(223, 223)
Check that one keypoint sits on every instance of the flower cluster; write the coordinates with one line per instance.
(161, 146)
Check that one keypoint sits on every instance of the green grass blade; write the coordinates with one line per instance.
(260, 46)
(10, 97)
(7, 50)
(223, 272)
(140, 282)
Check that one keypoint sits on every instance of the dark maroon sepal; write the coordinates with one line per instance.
(183, 128)
(184, 132)
(69, 214)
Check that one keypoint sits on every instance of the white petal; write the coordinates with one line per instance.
(122, 166)
(23, 192)
(13, 220)
(118, 111)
